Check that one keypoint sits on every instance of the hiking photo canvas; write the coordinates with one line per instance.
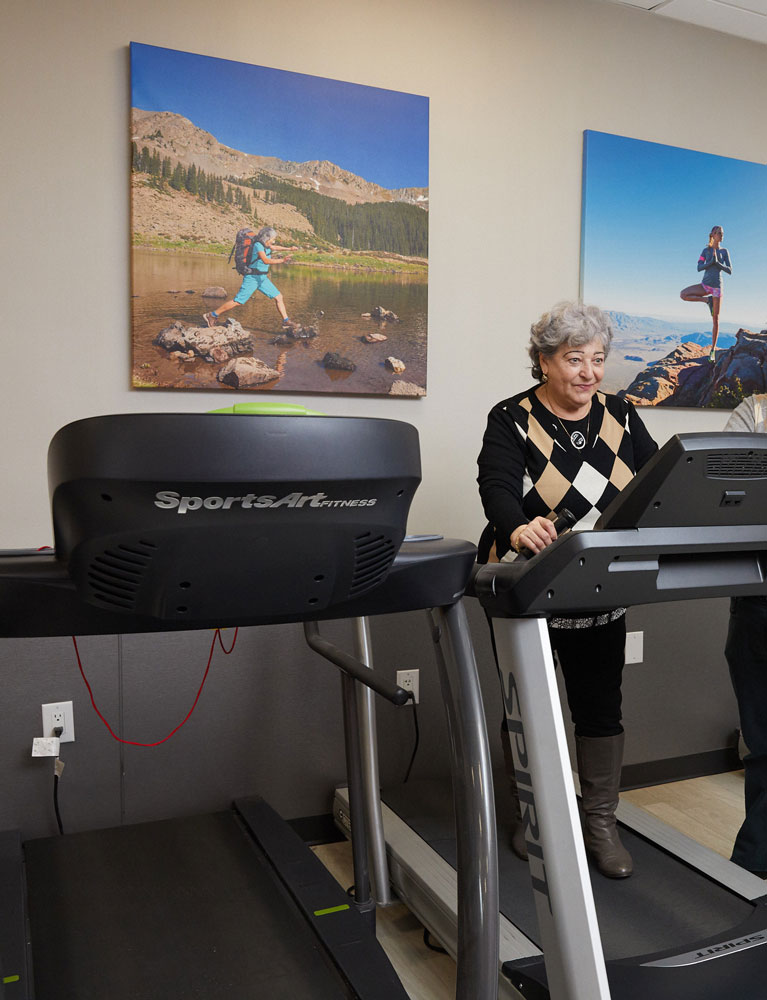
(673, 247)
(279, 228)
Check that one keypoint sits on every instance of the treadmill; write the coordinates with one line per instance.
(166, 522)
(688, 923)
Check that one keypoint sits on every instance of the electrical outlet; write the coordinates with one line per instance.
(408, 681)
(59, 713)
(634, 647)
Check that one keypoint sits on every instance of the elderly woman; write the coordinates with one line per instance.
(564, 444)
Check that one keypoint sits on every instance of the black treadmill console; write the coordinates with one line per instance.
(696, 480)
(186, 517)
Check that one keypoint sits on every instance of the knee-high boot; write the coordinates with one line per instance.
(599, 767)
(518, 845)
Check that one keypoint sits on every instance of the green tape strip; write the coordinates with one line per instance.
(270, 407)
(11, 979)
(331, 909)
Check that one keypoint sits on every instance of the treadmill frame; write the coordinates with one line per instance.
(584, 572)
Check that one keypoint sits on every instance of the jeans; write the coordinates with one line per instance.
(746, 653)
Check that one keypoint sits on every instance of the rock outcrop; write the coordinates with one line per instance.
(381, 314)
(214, 344)
(241, 373)
(686, 377)
(395, 365)
(335, 360)
(401, 388)
(295, 331)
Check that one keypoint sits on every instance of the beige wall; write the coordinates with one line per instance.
(513, 84)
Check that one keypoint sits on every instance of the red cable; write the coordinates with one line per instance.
(132, 743)
(234, 640)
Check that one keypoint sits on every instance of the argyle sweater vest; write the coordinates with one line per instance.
(529, 466)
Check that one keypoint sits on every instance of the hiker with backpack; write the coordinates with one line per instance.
(252, 259)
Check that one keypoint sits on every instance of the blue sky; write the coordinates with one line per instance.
(647, 213)
(381, 135)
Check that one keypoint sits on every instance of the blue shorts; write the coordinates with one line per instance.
(256, 283)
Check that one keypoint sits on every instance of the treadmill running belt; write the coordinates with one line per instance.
(662, 904)
(167, 910)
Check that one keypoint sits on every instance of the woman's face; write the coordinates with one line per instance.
(574, 374)
(717, 235)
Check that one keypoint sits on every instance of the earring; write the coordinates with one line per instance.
(544, 378)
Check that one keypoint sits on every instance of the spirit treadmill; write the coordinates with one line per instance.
(688, 923)
(165, 522)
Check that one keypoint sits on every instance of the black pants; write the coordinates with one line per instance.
(746, 653)
(592, 665)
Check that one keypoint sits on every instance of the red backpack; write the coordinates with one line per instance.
(242, 251)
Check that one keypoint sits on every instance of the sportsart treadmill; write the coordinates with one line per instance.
(692, 524)
(166, 522)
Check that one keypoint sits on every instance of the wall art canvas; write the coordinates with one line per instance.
(673, 247)
(326, 183)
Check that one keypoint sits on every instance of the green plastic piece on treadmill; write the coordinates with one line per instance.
(11, 979)
(275, 409)
(331, 909)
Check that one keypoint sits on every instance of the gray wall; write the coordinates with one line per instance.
(269, 719)
(679, 701)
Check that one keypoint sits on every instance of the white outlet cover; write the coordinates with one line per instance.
(66, 708)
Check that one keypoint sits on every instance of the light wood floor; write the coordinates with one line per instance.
(708, 809)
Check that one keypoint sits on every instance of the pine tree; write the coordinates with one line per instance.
(190, 181)
(177, 179)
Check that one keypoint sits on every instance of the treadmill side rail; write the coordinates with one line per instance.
(338, 924)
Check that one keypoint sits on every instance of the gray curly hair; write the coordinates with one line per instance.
(265, 233)
(570, 323)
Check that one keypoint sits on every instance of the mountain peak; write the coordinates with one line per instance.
(172, 135)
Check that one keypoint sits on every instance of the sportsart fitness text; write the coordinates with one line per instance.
(170, 500)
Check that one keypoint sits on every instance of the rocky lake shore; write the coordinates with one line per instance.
(686, 377)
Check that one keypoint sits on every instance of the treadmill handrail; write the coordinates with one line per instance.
(588, 571)
(351, 665)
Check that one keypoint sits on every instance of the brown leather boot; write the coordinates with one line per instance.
(518, 845)
(599, 767)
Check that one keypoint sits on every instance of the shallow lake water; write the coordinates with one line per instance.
(169, 286)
